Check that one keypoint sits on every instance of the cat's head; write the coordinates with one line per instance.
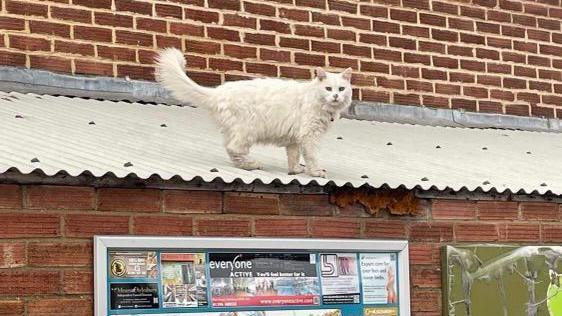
(335, 88)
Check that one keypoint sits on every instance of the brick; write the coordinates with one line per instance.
(336, 5)
(55, 64)
(425, 277)
(149, 24)
(93, 68)
(259, 8)
(93, 33)
(74, 48)
(524, 20)
(425, 301)
(232, 20)
(431, 231)
(460, 51)
(488, 27)
(468, 105)
(294, 14)
(486, 3)
(499, 16)
(447, 88)
(78, 225)
(117, 53)
(406, 99)
(134, 38)
(186, 29)
(502, 95)
(281, 227)
(551, 232)
(59, 197)
(97, 4)
(59, 254)
(374, 11)
(29, 225)
(311, 3)
(550, 24)
(305, 205)
(417, 59)
(225, 64)
(262, 69)
(309, 31)
(489, 106)
(192, 60)
(77, 282)
(517, 109)
(335, 228)
(345, 35)
(60, 307)
(402, 43)
(375, 96)
(328, 19)
(476, 232)
(462, 24)
(539, 211)
(29, 43)
(26, 8)
(386, 27)
(296, 73)
(522, 232)
(415, 31)
(309, 59)
(358, 23)
(261, 39)
(275, 26)
(10, 195)
(169, 11)
(473, 12)
(317, 46)
(356, 50)
(386, 54)
(453, 209)
(367, 66)
(12, 308)
(513, 83)
(111, 19)
(532, 98)
(424, 253)
(29, 282)
(251, 203)
(439, 102)
(538, 35)
(476, 92)
(223, 34)
(434, 74)
(176, 201)
(223, 227)
(385, 229)
(417, 4)
(442, 35)
(139, 7)
(140, 200)
(240, 52)
(8, 23)
(404, 15)
(445, 7)
(163, 225)
(499, 42)
(461, 77)
(70, 14)
(390, 83)
(12, 255)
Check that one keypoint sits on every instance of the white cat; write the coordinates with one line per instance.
(280, 112)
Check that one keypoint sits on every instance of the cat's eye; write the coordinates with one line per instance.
(329, 88)
(341, 89)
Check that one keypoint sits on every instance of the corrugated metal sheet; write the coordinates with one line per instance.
(78, 135)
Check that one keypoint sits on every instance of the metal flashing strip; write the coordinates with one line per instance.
(118, 89)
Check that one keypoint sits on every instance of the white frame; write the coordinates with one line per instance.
(102, 243)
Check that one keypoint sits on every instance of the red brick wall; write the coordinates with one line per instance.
(46, 233)
(500, 56)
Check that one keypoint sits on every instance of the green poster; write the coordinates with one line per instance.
(502, 280)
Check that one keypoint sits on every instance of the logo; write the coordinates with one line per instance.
(118, 267)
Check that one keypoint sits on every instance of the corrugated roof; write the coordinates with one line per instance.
(53, 133)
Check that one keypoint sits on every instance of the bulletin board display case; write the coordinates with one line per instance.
(176, 276)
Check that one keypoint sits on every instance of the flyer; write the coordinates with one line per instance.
(183, 279)
(378, 278)
(380, 311)
(134, 295)
(308, 312)
(340, 280)
(133, 264)
(263, 279)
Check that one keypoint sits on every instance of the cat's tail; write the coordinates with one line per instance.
(170, 73)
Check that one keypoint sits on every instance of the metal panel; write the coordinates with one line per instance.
(53, 133)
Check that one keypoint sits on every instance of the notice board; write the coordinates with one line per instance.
(250, 277)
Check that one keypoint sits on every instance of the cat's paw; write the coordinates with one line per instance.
(297, 170)
(319, 173)
(250, 165)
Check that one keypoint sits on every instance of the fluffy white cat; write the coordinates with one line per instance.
(286, 113)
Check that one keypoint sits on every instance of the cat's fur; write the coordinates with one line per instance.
(281, 112)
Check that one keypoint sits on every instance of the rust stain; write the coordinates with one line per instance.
(397, 202)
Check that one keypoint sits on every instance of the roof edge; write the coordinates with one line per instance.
(118, 89)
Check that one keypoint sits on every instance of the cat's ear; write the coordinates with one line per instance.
(320, 73)
(346, 74)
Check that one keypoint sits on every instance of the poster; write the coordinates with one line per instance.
(308, 312)
(134, 295)
(133, 264)
(381, 311)
(263, 279)
(378, 273)
(184, 281)
(340, 280)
